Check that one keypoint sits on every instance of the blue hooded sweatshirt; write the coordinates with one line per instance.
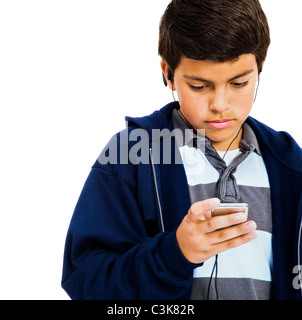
(121, 243)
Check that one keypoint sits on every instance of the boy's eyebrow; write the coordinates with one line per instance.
(208, 81)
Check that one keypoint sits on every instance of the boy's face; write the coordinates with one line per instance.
(216, 96)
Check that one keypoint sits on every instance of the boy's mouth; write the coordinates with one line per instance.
(220, 124)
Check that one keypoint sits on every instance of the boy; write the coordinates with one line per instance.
(144, 226)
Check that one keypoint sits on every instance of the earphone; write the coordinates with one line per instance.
(169, 77)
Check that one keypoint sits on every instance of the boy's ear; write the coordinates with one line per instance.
(167, 74)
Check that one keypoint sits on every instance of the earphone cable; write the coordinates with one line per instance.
(215, 266)
(216, 277)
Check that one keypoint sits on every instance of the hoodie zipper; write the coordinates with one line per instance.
(157, 193)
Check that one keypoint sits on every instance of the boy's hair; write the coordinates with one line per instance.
(217, 30)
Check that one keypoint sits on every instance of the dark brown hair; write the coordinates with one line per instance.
(217, 30)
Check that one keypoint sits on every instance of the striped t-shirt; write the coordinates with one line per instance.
(244, 273)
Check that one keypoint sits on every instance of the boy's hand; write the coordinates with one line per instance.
(201, 236)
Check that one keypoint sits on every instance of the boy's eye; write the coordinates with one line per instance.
(197, 88)
(234, 84)
(239, 84)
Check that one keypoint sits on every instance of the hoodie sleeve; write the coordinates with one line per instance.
(108, 253)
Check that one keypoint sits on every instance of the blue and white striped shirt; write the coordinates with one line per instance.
(244, 273)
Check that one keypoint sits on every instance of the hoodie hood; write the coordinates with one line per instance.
(280, 144)
(160, 119)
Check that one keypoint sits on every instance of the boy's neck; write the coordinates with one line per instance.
(229, 145)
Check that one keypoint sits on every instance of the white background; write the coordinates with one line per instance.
(70, 70)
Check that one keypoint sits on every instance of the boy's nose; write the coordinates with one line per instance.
(219, 102)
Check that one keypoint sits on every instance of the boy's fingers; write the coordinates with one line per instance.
(224, 221)
(202, 210)
(235, 242)
(226, 234)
